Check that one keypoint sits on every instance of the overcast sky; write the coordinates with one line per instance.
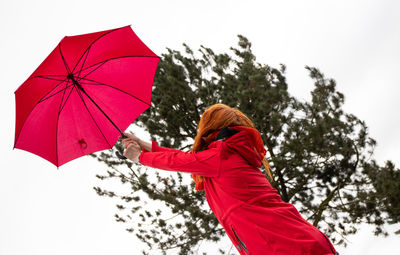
(48, 211)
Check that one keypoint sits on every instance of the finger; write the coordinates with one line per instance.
(134, 146)
(132, 136)
(137, 147)
(126, 151)
(127, 140)
(127, 144)
(127, 134)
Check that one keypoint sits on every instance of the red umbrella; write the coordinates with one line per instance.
(89, 89)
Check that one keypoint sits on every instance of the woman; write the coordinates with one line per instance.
(224, 161)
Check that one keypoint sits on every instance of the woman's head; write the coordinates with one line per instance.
(215, 118)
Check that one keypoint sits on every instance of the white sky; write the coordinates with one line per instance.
(48, 211)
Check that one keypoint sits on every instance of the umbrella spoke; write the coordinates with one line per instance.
(58, 118)
(107, 85)
(61, 90)
(84, 61)
(63, 59)
(88, 83)
(65, 102)
(88, 48)
(101, 63)
(49, 77)
(84, 103)
(110, 59)
(42, 99)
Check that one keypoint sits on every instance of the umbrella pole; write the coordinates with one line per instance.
(71, 76)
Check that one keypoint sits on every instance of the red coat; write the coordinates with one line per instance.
(251, 211)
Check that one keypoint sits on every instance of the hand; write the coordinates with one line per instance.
(143, 145)
(132, 137)
(132, 149)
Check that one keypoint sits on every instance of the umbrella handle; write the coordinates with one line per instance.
(117, 152)
(119, 155)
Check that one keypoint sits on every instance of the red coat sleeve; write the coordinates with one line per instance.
(205, 163)
(156, 148)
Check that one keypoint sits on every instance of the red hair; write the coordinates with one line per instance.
(214, 119)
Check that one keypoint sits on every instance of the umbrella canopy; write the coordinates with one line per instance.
(89, 89)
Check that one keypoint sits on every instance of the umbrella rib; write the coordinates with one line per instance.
(84, 61)
(80, 95)
(110, 59)
(103, 84)
(52, 89)
(93, 43)
(48, 77)
(65, 102)
(44, 99)
(64, 61)
(58, 117)
(80, 78)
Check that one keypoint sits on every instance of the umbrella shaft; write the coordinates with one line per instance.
(70, 76)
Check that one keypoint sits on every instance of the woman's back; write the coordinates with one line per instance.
(251, 210)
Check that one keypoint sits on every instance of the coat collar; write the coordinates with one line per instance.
(226, 133)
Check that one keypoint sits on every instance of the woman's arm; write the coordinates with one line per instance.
(147, 146)
(205, 163)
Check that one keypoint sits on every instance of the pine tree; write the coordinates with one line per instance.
(321, 157)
